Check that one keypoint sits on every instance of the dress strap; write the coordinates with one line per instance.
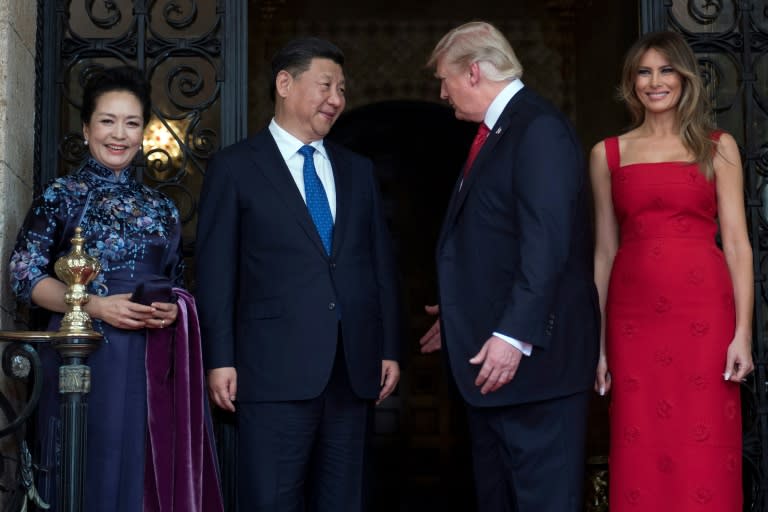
(612, 153)
(715, 135)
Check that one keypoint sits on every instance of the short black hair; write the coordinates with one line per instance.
(120, 78)
(296, 57)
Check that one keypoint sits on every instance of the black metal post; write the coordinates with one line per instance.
(74, 385)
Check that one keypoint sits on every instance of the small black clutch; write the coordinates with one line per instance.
(153, 290)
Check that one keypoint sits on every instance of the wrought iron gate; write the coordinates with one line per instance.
(730, 38)
(185, 47)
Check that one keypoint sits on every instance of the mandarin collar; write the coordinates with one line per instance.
(103, 173)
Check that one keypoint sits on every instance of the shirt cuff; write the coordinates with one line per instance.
(525, 348)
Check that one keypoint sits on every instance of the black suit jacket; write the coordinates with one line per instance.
(515, 257)
(271, 300)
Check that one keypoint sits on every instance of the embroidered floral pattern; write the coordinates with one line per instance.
(675, 424)
(699, 329)
(124, 223)
(700, 432)
(663, 409)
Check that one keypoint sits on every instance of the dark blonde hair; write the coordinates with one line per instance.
(694, 115)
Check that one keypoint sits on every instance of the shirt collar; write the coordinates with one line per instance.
(499, 103)
(288, 145)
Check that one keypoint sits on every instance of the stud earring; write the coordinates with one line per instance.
(86, 142)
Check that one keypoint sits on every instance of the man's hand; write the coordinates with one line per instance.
(390, 375)
(431, 341)
(222, 387)
(500, 361)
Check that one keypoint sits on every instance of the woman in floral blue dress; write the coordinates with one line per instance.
(134, 231)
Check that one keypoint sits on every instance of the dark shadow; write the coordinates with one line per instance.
(421, 448)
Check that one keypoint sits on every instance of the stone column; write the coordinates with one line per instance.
(17, 114)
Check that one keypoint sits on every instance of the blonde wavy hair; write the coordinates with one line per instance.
(694, 114)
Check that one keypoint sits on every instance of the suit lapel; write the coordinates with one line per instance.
(343, 195)
(486, 152)
(268, 160)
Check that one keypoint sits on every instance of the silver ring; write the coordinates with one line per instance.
(162, 323)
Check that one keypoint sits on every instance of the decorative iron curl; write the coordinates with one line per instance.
(161, 47)
(189, 82)
(700, 12)
(20, 362)
(73, 149)
(108, 21)
(161, 164)
(203, 142)
(173, 14)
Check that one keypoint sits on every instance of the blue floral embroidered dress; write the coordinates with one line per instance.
(135, 233)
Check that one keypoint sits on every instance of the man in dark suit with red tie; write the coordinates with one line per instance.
(299, 312)
(518, 308)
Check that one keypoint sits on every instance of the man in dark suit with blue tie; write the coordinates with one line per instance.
(299, 311)
(518, 308)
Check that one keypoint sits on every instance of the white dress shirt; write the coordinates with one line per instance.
(289, 146)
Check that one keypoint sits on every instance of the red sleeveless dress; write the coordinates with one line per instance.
(675, 423)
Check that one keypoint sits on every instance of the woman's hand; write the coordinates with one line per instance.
(164, 314)
(118, 311)
(738, 363)
(602, 376)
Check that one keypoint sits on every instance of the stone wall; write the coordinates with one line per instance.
(17, 110)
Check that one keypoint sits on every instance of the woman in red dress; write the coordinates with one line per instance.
(676, 339)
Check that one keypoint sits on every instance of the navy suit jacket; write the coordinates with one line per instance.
(271, 301)
(515, 256)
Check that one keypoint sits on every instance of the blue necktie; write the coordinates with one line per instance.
(317, 201)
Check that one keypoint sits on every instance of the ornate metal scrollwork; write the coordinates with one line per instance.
(20, 363)
(108, 21)
(175, 17)
(705, 11)
(178, 43)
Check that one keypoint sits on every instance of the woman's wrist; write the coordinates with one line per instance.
(92, 306)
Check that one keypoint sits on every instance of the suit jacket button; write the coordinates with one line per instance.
(331, 306)
(333, 266)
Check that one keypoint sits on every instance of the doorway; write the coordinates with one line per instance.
(572, 53)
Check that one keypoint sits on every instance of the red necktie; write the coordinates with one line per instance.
(482, 134)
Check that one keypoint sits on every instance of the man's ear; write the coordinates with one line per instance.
(283, 82)
(474, 73)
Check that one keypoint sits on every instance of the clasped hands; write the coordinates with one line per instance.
(119, 311)
(498, 359)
